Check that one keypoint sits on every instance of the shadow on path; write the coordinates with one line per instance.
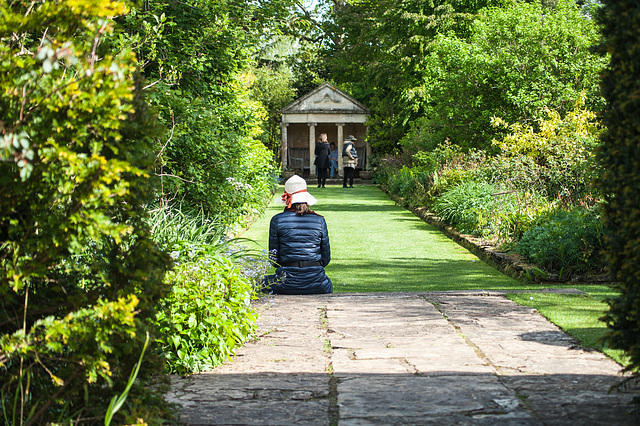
(406, 359)
(446, 398)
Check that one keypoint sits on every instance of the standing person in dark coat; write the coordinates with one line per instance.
(322, 159)
(299, 244)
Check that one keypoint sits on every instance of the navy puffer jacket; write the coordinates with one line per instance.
(294, 238)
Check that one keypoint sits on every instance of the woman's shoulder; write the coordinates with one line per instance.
(282, 215)
(289, 218)
(285, 213)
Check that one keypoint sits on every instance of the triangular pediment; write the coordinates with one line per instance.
(325, 99)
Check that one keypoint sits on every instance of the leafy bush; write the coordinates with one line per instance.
(208, 314)
(467, 206)
(565, 241)
(620, 160)
(406, 183)
(511, 223)
(543, 81)
(488, 211)
(79, 275)
(429, 173)
(214, 161)
(453, 166)
(557, 159)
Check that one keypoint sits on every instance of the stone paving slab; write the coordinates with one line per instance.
(451, 399)
(466, 358)
(562, 382)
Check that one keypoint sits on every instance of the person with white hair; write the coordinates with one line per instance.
(298, 244)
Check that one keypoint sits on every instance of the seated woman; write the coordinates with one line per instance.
(298, 244)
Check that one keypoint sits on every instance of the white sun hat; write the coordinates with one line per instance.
(295, 191)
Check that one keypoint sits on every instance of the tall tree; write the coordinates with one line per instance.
(379, 52)
(195, 56)
(517, 63)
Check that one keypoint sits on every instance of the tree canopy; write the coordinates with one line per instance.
(446, 67)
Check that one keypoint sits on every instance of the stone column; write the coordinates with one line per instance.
(339, 148)
(312, 148)
(284, 146)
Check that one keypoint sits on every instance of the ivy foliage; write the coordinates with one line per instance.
(79, 275)
(620, 160)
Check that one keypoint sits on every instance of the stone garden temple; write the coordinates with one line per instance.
(324, 110)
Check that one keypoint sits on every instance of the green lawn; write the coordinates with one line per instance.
(377, 245)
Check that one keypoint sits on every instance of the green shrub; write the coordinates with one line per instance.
(557, 159)
(445, 179)
(208, 313)
(467, 206)
(215, 162)
(80, 277)
(620, 160)
(408, 183)
(565, 241)
(512, 223)
(446, 166)
(488, 211)
(422, 176)
(519, 172)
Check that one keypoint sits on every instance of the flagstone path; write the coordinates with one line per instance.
(437, 358)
